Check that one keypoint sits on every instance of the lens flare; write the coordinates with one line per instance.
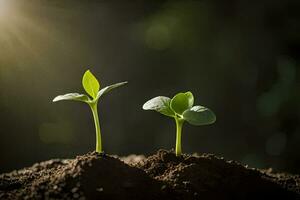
(19, 32)
(5, 6)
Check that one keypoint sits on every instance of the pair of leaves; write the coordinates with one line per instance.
(92, 86)
(181, 106)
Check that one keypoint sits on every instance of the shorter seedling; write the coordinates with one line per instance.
(92, 87)
(181, 108)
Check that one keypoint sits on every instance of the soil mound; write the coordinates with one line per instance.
(159, 176)
(206, 176)
(90, 176)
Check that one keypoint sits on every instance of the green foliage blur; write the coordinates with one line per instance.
(240, 58)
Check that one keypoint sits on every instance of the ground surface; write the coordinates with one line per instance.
(160, 176)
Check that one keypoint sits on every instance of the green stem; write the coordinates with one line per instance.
(97, 126)
(179, 123)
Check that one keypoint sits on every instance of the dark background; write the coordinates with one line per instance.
(240, 58)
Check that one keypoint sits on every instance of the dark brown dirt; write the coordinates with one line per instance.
(209, 177)
(160, 176)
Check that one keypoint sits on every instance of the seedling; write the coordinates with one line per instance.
(92, 87)
(181, 108)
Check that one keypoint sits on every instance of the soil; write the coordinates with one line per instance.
(159, 176)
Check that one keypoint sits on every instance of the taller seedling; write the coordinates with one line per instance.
(92, 87)
(181, 108)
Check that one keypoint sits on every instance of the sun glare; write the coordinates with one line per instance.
(7, 15)
(17, 28)
(26, 30)
(4, 8)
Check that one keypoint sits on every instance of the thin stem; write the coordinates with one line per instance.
(97, 126)
(179, 123)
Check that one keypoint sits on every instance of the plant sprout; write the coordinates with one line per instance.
(92, 87)
(181, 108)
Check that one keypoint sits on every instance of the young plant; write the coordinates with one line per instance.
(92, 87)
(181, 108)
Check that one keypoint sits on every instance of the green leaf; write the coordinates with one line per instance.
(160, 104)
(90, 84)
(181, 102)
(72, 96)
(199, 115)
(109, 88)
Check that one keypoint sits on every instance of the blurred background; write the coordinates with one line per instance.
(239, 58)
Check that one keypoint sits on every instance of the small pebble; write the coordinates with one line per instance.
(185, 182)
(76, 195)
(74, 190)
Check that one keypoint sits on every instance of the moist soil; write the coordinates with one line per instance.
(159, 176)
